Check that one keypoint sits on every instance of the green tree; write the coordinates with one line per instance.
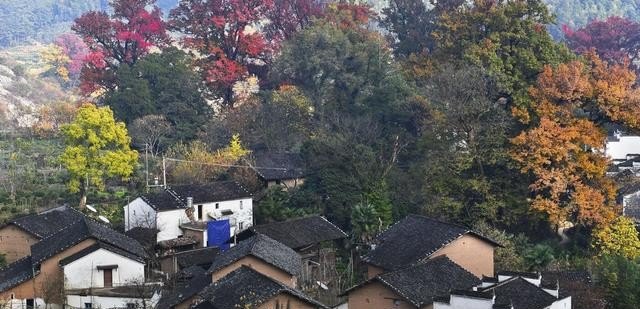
(538, 257)
(366, 222)
(97, 147)
(276, 206)
(161, 84)
(620, 278)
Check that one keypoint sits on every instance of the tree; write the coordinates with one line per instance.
(53, 116)
(124, 37)
(97, 147)
(562, 147)
(507, 37)
(276, 206)
(161, 84)
(76, 50)
(614, 39)
(149, 131)
(620, 278)
(287, 17)
(56, 61)
(366, 223)
(224, 33)
(619, 238)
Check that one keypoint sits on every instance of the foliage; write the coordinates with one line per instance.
(97, 147)
(620, 278)
(223, 32)
(277, 206)
(196, 164)
(509, 257)
(53, 116)
(578, 13)
(124, 37)
(57, 61)
(561, 149)
(149, 131)
(508, 38)
(366, 222)
(287, 17)
(619, 238)
(161, 84)
(538, 257)
(76, 50)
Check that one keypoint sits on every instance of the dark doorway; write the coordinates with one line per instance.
(108, 277)
(200, 213)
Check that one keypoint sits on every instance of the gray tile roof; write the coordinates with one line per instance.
(631, 207)
(49, 222)
(278, 166)
(175, 197)
(521, 294)
(79, 231)
(298, 233)
(95, 247)
(195, 280)
(264, 248)
(421, 283)
(247, 287)
(198, 257)
(414, 238)
(16, 273)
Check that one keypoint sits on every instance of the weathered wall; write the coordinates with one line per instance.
(472, 253)
(15, 243)
(49, 269)
(374, 295)
(373, 271)
(261, 267)
(285, 301)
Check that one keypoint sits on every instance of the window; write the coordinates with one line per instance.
(240, 225)
(217, 205)
(131, 306)
(240, 204)
(88, 305)
(278, 182)
(199, 212)
(31, 303)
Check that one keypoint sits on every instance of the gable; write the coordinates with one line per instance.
(258, 265)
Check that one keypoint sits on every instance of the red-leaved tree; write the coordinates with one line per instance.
(290, 16)
(121, 38)
(225, 35)
(615, 39)
(76, 50)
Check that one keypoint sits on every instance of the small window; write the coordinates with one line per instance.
(240, 226)
(217, 205)
(31, 304)
(240, 204)
(131, 306)
(278, 182)
(13, 296)
(88, 305)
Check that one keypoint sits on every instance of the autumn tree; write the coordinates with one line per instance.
(620, 238)
(562, 149)
(508, 38)
(287, 17)
(124, 37)
(149, 131)
(614, 39)
(53, 116)
(225, 35)
(76, 50)
(97, 148)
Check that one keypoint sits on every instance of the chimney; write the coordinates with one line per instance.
(189, 202)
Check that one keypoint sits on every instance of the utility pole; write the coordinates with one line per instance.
(146, 165)
(164, 172)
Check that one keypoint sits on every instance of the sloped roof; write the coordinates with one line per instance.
(175, 197)
(247, 287)
(298, 233)
(565, 279)
(415, 238)
(198, 257)
(79, 231)
(196, 281)
(421, 283)
(49, 222)
(521, 294)
(278, 166)
(95, 247)
(16, 273)
(264, 248)
(632, 207)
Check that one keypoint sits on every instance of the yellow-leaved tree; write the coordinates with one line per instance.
(619, 238)
(97, 148)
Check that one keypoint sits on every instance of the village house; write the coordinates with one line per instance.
(17, 236)
(619, 147)
(81, 259)
(283, 169)
(245, 287)
(509, 290)
(416, 239)
(177, 261)
(311, 237)
(189, 282)
(629, 198)
(184, 210)
(411, 287)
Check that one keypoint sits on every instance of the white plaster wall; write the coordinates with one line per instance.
(168, 223)
(462, 302)
(22, 304)
(77, 301)
(139, 214)
(83, 273)
(618, 150)
(564, 303)
(244, 214)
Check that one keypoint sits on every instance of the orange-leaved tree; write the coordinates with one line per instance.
(562, 146)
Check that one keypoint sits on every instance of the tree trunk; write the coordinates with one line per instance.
(83, 194)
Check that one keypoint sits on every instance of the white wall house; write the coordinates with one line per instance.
(101, 266)
(619, 146)
(168, 209)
